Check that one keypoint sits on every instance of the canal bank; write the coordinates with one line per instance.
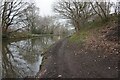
(94, 55)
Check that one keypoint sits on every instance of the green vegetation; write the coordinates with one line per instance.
(85, 31)
(79, 37)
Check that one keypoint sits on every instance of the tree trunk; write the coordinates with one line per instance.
(76, 25)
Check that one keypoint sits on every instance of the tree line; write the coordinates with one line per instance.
(80, 13)
(19, 16)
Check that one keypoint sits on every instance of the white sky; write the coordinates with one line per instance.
(46, 6)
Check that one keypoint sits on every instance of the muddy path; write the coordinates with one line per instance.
(68, 60)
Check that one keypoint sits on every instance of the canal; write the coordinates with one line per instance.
(23, 58)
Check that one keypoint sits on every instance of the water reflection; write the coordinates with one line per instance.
(23, 58)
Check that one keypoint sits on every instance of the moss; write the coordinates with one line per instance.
(79, 37)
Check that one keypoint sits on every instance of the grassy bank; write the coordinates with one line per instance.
(91, 27)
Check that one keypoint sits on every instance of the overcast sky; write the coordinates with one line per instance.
(47, 5)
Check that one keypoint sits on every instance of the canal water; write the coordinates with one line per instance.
(23, 58)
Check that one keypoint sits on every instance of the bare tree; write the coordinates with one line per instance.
(31, 14)
(11, 13)
(75, 11)
(102, 9)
